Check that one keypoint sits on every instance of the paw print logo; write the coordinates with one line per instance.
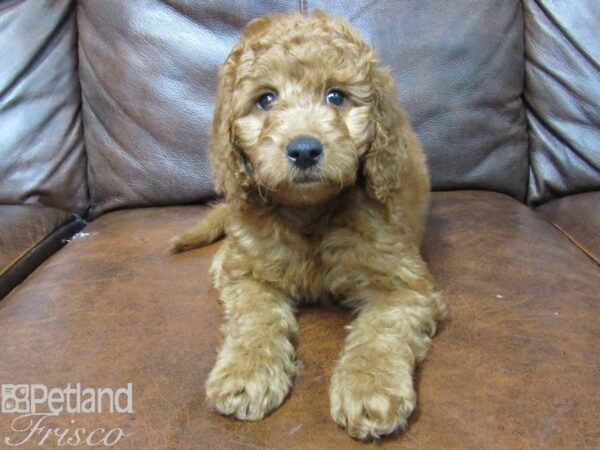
(15, 398)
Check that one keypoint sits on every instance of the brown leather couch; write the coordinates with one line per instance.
(104, 115)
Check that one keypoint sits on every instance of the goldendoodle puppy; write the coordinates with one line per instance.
(326, 192)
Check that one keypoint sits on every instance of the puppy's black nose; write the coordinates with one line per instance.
(304, 152)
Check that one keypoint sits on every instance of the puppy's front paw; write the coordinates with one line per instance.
(248, 389)
(371, 403)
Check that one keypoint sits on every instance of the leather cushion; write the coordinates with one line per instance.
(562, 90)
(578, 217)
(515, 366)
(148, 74)
(148, 90)
(42, 159)
(459, 69)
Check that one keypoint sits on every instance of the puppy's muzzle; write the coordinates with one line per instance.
(304, 152)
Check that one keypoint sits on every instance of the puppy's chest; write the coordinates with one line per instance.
(312, 268)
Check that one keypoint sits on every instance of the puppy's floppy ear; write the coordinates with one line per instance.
(230, 171)
(386, 160)
(231, 176)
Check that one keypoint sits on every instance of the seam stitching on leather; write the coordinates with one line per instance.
(588, 253)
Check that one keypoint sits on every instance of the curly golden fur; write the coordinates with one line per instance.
(347, 229)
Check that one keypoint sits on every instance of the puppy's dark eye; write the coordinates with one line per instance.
(335, 97)
(265, 101)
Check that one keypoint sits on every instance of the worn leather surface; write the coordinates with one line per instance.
(516, 365)
(28, 235)
(459, 69)
(578, 217)
(562, 52)
(148, 91)
(42, 159)
(148, 73)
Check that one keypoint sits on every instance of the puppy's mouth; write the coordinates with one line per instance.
(306, 178)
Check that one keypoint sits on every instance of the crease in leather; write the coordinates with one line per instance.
(561, 90)
(80, 123)
(107, 132)
(555, 129)
(122, 108)
(554, 181)
(114, 103)
(566, 34)
(35, 59)
(362, 11)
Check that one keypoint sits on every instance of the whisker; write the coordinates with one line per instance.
(260, 194)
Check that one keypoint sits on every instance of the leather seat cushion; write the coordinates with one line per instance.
(515, 366)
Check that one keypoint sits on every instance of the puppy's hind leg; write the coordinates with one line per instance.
(208, 229)
(255, 366)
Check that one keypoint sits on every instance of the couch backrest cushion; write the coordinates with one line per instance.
(459, 69)
(563, 95)
(148, 72)
(148, 75)
(41, 141)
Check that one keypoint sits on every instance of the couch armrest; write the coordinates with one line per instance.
(28, 235)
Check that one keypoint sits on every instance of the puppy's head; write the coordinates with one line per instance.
(301, 108)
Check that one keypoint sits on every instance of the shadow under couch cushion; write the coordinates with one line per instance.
(515, 366)
(28, 235)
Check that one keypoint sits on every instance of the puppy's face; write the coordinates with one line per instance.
(301, 110)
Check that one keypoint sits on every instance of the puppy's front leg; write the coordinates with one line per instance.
(371, 389)
(255, 365)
